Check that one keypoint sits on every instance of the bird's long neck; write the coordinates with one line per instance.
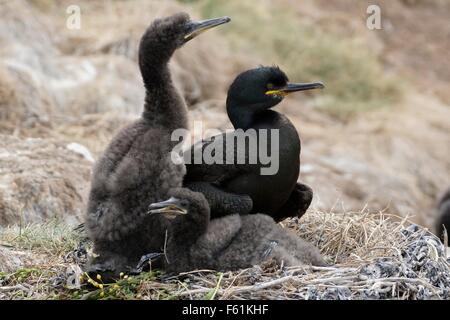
(242, 119)
(244, 116)
(164, 106)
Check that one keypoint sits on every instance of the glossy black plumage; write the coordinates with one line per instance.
(249, 107)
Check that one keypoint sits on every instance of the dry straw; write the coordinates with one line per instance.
(371, 256)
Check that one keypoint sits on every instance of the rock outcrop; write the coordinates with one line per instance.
(41, 179)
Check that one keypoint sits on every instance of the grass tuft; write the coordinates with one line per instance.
(52, 236)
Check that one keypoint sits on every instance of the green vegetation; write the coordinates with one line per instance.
(42, 281)
(127, 287)
(22, 275)
(353, 76)
(212, 293)
(49, 245)
(51, 236)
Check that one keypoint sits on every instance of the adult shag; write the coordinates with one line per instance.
(250, 100)
(136, 169)
(227, 243)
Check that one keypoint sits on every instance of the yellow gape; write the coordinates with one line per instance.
(279, 92)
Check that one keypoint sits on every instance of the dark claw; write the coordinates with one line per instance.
(272, 244)
(147, 259)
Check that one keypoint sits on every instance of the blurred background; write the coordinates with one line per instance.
(377, 138)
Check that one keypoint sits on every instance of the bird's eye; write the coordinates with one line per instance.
(270, 86)
(185, 203)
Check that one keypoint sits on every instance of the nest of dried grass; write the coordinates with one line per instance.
(372, 256)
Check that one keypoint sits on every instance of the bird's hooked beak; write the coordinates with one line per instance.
(197, 27)
(170, 208)
(294, 87)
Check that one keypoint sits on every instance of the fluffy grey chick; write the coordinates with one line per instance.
(135, 169)
(228, 243)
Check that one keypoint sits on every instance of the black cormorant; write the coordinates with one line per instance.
(227, 243)
(250, 99)
(443, 219)
(136, 170)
